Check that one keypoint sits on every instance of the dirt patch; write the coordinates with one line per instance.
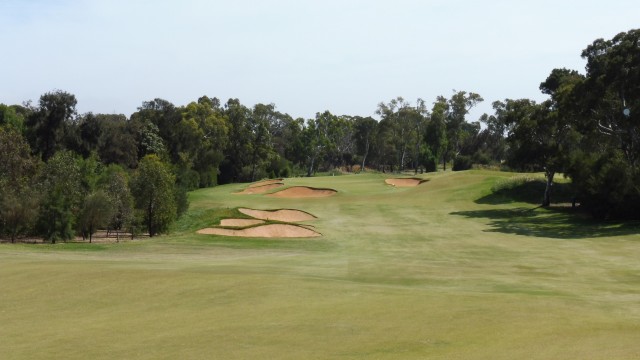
(405, 182)
(260, 189)
(265, 182)
(240, 222)
(265, 231)
(285, 215)
(303, 192)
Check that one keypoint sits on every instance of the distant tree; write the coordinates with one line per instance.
(201, 140)
(61, 191)
(260, 149)
(17, 212)
(11, 116)
(114, 182)
(18, 169)
(458, 108)
(436, 132)
(153, 191)
(117, 143)
(97, 210)
(398, 118)
(364, 136)
(317, 139)
(46, 124)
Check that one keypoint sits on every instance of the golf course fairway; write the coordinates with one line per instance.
(443, 270)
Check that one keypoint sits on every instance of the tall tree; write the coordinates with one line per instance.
(47, 122)
(18, 169)
(436, 133)
(459, 105)
(61, 189)
(606, 167)
(97, 210)
(114, 182)
(153, 191)
(364, 135)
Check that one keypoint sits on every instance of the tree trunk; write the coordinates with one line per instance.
(546, 201)
(310, 171)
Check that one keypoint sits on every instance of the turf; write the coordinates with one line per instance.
(444, 270)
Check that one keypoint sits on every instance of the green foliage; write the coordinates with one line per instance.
(62, 193)
(47, 124)
(97, 209)
(18, 212)
(10, 118)
(114, 182)
(462, 162)
(153, 188)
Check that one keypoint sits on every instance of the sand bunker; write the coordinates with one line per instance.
(285, 215)
(240, 222)
(405, 182)
(303, 192)
(265, 182)
(261, 189)
(265, 231)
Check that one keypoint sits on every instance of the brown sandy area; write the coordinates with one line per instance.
(303, 192)
(260, 189)
(405, 182)
(240, 222)
(265, 182)
(285, 215)
(265, 231)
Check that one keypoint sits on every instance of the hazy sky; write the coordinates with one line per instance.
(305, 56)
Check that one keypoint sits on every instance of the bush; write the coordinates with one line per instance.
(462, 162)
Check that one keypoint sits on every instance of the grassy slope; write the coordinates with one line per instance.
(399, 273)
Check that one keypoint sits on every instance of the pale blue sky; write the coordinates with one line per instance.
(304, 56)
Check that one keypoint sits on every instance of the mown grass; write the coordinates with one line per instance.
(445, 270)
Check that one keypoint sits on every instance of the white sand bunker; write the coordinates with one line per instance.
(265, 182)
(265, 231)
(260, 189)
(240, 222)
(285, 215)
(405, 182)
(303, 192)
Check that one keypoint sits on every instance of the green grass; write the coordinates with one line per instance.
(445, 270)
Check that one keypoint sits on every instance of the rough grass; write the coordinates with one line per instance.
(445, 270)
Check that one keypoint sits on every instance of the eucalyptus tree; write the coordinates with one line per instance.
(606, 167)
(60, 187)
(18, 170)
(48, 122)
(153, 189)
(317, 139)
(436, 132)
(364, 136)
(458, 107)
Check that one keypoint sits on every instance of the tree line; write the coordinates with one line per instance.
(64, 173)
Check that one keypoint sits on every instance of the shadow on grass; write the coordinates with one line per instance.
(530, 192)
(557, 223)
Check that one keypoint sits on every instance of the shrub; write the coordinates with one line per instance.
(462, 162)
